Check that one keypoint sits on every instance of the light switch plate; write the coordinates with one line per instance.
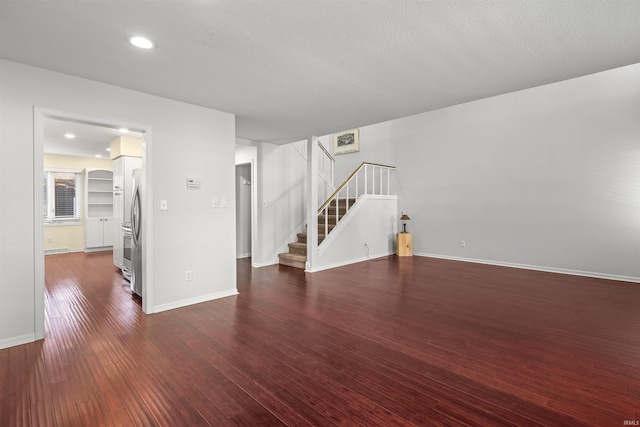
(224, 202)
(215, 203)
(163, 205)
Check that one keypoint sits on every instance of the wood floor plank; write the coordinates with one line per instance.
(395, 341)
(65, 408)
(240, 388)
(375, 354)
(137, 410)
(301, 370)
(91, 413)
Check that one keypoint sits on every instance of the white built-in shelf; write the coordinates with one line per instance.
(98, 208)
(99, 193)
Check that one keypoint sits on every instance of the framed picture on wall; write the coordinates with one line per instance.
(346, 142)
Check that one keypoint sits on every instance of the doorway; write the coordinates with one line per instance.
(243, 210)
(47, 126)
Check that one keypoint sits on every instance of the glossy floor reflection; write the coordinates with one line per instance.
(395, 341)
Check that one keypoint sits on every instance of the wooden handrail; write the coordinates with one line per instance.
(346, 181)
(325, 151)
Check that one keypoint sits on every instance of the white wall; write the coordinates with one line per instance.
(547, 177)
(187, 141)
(372, 221)
(281, 200)
(245, 153)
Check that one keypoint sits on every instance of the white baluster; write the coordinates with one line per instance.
(388, 181)
(366, 181)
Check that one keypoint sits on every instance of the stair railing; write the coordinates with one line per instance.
(367, 179)
(326, 164)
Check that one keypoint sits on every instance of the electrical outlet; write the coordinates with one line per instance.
(188, 276)
(463, 243)
(49, 239)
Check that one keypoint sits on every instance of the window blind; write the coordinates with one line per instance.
(61, 191)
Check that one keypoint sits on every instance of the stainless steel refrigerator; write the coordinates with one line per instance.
(136, 234)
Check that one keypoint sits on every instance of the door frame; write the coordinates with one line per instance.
(252, 201)
(254, 206)
(39, 114)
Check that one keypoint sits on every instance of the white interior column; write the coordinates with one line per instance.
(312, 202)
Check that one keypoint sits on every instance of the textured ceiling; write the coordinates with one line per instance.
(289, 69)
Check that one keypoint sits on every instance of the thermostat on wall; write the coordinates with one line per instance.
(193, 183)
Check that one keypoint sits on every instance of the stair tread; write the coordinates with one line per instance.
(305, 235)
(297, 245)
(291, 256)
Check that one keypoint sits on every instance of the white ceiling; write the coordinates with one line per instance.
(90, 140)
(289, 69)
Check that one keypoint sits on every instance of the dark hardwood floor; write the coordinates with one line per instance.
(392, 342)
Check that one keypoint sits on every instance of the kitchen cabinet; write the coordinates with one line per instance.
(99, 232)
(98, 211)
(123, 167)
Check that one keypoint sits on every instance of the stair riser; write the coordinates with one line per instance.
(331, 220)
(293, 264)
(303, 239)
(320, 233)
(321, 229)
(298, 251)
(320, 239)
(342, 203)
(292, 260)
(341, 211)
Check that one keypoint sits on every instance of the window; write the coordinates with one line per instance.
(61, 195)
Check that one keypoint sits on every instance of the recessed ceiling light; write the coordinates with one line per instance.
(69, 135)
(123, 130)
(108, 149)
(141, 42)
(98, 155)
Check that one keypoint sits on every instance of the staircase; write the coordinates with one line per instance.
(297, 255)
(368, 179)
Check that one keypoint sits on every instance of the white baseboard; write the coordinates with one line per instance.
(536, 268)
(19, 340)
(196, 300)
(347, 262)
(264, 264)
(104, 248)
(57, 251)
(243, 255)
